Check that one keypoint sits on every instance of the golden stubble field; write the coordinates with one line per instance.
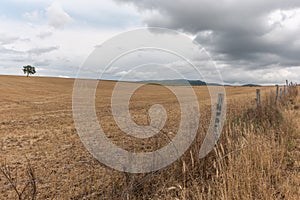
(36, 126)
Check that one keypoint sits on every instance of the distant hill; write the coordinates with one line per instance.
(183, 82)
(178, 82)
(251, 85)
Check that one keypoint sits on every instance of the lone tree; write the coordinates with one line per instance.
(29, 70)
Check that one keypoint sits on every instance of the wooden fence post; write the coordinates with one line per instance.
(286, 86)
(258, 97)
(280, 93)
(214, 131)
(285, 90)
(277, 90)
(218, 116)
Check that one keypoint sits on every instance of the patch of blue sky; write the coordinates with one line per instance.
(17, 9)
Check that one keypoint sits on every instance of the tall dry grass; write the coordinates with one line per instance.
(251, 160)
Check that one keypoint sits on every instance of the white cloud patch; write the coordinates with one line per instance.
(57, 17)
(56, 52)
(61, 76)
(57, 36)
(33, 15)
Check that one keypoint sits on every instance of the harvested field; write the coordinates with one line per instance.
(37, 127)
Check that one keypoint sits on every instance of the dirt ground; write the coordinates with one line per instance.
(36, 126)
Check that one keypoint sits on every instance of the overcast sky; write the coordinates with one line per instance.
(251, 41)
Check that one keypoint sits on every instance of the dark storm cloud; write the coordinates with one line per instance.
(221, 15)
(249, 34)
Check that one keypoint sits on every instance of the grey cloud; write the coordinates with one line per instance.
(35, 51)
(42, 63)
(38, 51)
(199, 15)
(5, 39)
(11, 39)
(7, 51)
(44, 35)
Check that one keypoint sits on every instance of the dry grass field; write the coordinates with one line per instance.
(42, 157)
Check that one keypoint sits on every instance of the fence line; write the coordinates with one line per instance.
(280, 93)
